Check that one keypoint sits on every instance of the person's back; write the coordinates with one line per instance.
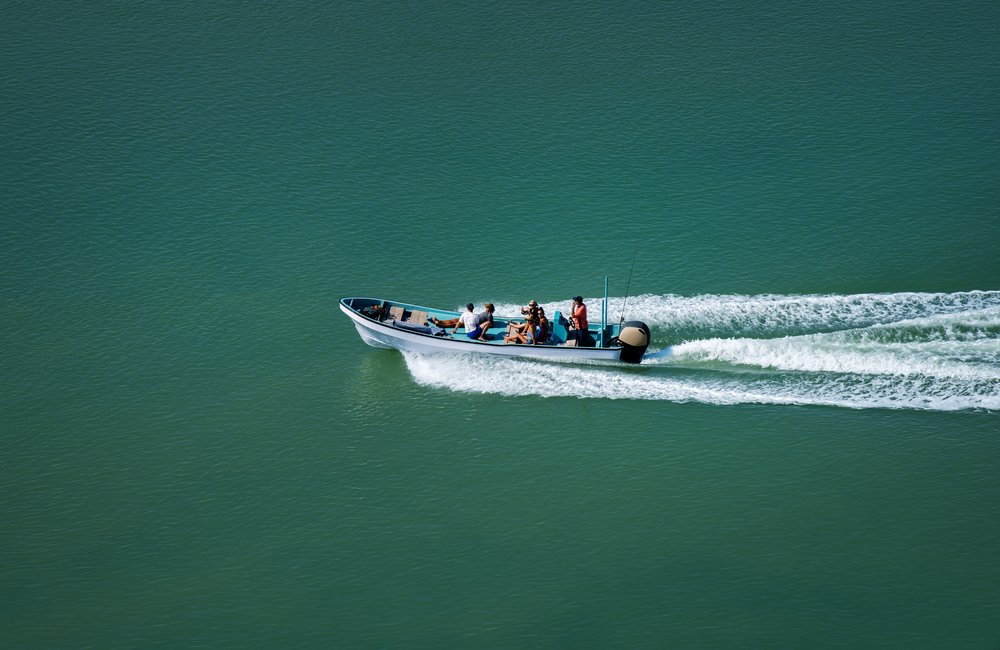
(470, 321)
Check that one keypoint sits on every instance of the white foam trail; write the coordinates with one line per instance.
(766, 313)
(904, 350)
(814, 354)
(513, 377)
(735, 314)
(953, 345)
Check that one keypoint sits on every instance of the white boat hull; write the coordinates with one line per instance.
(384, 335)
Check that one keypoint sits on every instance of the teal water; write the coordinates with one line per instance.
(200, 451)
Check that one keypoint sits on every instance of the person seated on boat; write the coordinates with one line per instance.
(470, 321)
(523, 332)
(446, 323)
(542, 329)
(532, 309)
(578, 322)
(485, 316)
(486, 320)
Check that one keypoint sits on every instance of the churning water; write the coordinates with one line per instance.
(900, 350)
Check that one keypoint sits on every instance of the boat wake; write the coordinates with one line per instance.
(902, 350)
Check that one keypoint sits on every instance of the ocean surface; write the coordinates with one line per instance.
(801, 199)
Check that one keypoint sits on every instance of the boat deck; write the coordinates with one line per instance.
(419, 319)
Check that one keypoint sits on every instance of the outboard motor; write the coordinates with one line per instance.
(634, 338)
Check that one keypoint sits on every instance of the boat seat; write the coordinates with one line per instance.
(395, 313)
(510, 330)
(417, 318)
(559, 331)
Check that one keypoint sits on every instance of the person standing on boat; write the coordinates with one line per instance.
(578, 320)
(470, 321)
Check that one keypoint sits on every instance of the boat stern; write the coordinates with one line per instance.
(634, 338)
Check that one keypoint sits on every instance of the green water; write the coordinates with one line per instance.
(200, 451)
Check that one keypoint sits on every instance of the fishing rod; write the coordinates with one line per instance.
(627, 285)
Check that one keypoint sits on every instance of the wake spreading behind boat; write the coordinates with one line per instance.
(391, 324)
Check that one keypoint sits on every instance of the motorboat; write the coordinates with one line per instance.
(386, 323)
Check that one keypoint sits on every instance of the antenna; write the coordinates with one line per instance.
(628, 284)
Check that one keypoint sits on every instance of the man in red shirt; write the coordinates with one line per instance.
(578, 321)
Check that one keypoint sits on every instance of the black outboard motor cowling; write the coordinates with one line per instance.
(634, 338)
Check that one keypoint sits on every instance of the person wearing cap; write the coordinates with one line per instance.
(541, 323)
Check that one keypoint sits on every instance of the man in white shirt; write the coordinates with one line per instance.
(470, 321)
